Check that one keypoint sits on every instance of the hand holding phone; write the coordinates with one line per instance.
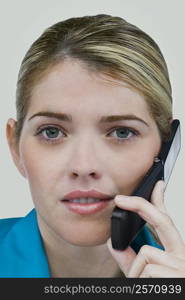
(125, 225)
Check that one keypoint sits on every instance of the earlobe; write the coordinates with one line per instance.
(170, 120)
(14, 146)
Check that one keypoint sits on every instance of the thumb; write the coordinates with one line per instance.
(124, 258)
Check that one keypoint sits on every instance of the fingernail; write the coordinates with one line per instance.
(121, 198)
(109, 243)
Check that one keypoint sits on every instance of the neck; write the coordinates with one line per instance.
(67, 260)
(74, 261)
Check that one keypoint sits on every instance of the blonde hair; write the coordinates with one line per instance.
(106, 44)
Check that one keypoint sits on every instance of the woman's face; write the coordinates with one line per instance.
(59, 156)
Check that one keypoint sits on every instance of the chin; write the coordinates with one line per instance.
(87, 240)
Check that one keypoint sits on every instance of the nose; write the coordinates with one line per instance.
(85, 162)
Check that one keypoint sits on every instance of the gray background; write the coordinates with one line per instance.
(21, 22)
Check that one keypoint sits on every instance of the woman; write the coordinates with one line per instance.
(93, 107)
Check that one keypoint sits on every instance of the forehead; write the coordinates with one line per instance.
(71, 87)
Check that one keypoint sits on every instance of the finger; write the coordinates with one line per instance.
(157, 271)
(157, 197)
(150, 255)
(162, 223)
(123, 258)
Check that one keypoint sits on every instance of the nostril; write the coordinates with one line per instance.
(93, 173)
(78, 174)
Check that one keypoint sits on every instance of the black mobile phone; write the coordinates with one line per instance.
(125, 225)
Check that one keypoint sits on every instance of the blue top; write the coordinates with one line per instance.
(22, 252)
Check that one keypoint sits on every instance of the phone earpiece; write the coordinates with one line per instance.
(156, 159)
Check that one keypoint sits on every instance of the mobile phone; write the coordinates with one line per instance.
(125, 225)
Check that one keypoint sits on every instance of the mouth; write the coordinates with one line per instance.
(86, 206)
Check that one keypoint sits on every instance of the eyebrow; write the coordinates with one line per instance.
(104, 119)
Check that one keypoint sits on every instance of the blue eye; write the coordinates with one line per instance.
(124, 133)
(50, 134)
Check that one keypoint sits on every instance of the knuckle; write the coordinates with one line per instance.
(139, 204)
(166, 221)
(144, 250)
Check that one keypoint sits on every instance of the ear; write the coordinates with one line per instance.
(170, 120)
(14, 145)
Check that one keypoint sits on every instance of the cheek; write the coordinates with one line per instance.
(41, 170)
(131, 168)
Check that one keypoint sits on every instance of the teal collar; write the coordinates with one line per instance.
(22, 252)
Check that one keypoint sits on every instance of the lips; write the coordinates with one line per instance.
(87, 194)
(86, 208)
